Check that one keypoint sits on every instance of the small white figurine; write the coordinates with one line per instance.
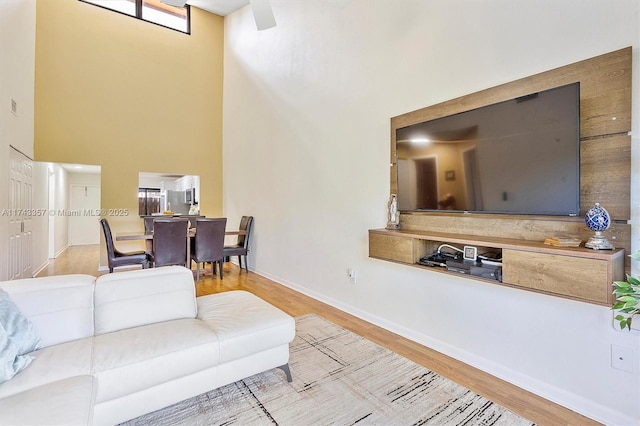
(394, 216)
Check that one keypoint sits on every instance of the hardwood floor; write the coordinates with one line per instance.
(84, 259)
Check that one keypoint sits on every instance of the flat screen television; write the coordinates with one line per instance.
(520, 156)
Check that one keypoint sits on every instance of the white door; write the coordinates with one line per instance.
(84, 222)
(20, 215)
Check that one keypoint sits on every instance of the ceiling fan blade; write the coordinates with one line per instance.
(263, 14)
(176, 3)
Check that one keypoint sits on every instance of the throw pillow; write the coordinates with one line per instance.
(11, 363)
(18, 328)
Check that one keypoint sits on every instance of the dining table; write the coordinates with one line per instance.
(148, 238)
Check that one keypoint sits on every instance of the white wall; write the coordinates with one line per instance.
(17, 75)
(306, 137)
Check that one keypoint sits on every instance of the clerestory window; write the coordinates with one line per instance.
(177, 18)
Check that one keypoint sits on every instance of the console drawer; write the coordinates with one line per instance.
(575, 277)
(396, 248)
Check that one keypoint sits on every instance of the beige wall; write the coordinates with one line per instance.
(129, 96)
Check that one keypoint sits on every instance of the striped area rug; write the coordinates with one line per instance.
(339, 378)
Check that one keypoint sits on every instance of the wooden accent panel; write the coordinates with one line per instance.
(605, 175)
(579, 278)
(605, 120)
(525, 228)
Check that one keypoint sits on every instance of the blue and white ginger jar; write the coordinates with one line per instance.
(597, 218)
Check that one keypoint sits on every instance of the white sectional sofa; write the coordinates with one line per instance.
(128, 343)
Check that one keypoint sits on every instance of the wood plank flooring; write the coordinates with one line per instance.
(84, 259)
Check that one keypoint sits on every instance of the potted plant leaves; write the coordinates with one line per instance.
(627, 294)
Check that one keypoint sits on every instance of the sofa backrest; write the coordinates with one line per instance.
(60, 307)
(143, 296)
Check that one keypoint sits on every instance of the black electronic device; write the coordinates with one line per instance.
(475, 268)
(438, 258)
(490, 272)
(460, 266)
(501, 148)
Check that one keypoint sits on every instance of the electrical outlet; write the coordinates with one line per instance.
(622, 358)
(351, 273)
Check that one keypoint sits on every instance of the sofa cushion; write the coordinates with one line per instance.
(244, 323)
(134, 359)
(144, 296)
(52, 364)
(60, 307)
(65, 402)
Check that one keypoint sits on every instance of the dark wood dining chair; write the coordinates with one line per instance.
(115, 257)
(170, 242)
(241, 247)
(208, 244)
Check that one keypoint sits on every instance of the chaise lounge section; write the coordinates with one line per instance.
(125, 344)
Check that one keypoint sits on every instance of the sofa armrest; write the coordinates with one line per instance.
(144, 296)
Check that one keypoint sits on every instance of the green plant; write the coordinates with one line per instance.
(627, 294)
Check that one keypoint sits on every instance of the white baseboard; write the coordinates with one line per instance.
(59, 252)
(40, 269)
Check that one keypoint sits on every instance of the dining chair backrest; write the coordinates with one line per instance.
(117, 258)
(148, 222)
(245, 225)
(241, 248)
(108, 238)
(209, 240)
(170, 242)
